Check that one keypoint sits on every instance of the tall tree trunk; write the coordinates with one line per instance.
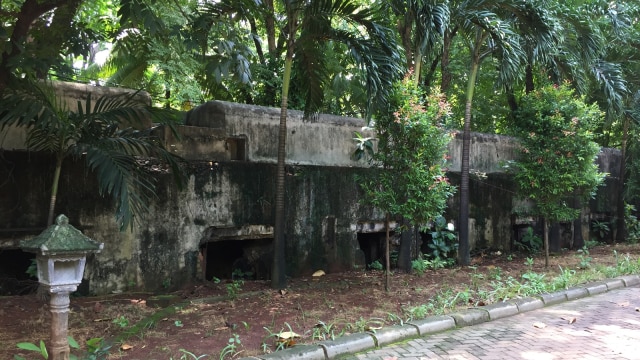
(404, 29)
(445, 61)
(621, 231)
(387, 257)
(278, 270)
(406, 246)
(54, 190)
(545, 226)
(463, 240)
(270, 24)
(528, 79)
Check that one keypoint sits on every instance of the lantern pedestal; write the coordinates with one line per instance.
(59, 307)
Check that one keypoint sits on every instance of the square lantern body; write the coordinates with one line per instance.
(61, 269)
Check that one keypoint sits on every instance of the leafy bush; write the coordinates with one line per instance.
(632, 224)
(376, 265)
(530, 242)
(444, 242)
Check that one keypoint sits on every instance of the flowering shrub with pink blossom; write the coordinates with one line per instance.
(411, 153)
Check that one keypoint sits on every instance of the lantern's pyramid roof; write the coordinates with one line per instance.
(61, 237)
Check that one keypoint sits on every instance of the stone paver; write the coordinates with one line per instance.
(607, 326)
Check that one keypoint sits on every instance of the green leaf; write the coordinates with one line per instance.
(28, 346)
(73, 343)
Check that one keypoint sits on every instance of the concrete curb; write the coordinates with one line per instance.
(355, 343)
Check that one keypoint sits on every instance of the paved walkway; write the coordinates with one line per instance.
(605, 326)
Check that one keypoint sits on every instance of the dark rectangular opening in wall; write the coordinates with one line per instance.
(236, 147)
(238, 259)
(13, 279)
(372, 245)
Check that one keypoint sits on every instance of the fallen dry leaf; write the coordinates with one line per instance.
(283, 292)
(318, 273)
(539, 325)
(288, 335)
(570, 319)
(125, 347)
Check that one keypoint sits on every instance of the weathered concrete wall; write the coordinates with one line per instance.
(229, 199)
(324, 140)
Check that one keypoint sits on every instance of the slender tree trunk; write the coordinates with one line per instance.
(621, 231)
(271, 27)
(54, 190)
(278, 275)
(387, 260)
(405, 254)
(404, 29)
(445, 61)
(545, 226)
(528, 79)
(463, 242)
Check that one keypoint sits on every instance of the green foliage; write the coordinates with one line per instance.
(411, 152)
(443, 241)
(422, 264)
(121, 321)
(632, 224)
(186, 355)
(234, 288)
(231, 349)
(601, 229)
(364, 147)
(96, 349)
(530, 242)
(555, 129)
(584, 258)
(376, 265)
(104, 132)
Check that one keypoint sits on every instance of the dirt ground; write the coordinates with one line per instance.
(205, 320)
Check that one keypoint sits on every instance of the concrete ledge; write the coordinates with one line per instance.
(576, 293)
(528, 304)
(630, 280)
(434, 324)
(393, 334)
(553, 298)
(311, 352)
(470, 317)
(500, 310)
(347, 345)
(614, 284)
(596, 288)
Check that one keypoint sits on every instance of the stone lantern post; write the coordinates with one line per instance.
(61, 252)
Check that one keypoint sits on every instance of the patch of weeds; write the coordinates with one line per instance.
(529, 243)
(234, 288)
(534, 284)
(323, 331)
(96, 349)
(418, 312)
(529, 262)
(563, 280)
(584, 260)
(376, 265)
(187, 355)
(600, 229)
(232, 347)
(121, 321)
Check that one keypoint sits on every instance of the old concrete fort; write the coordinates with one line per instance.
(223, 218)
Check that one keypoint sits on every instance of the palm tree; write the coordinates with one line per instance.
(489, 30)
(105, 133)
(309, 26)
